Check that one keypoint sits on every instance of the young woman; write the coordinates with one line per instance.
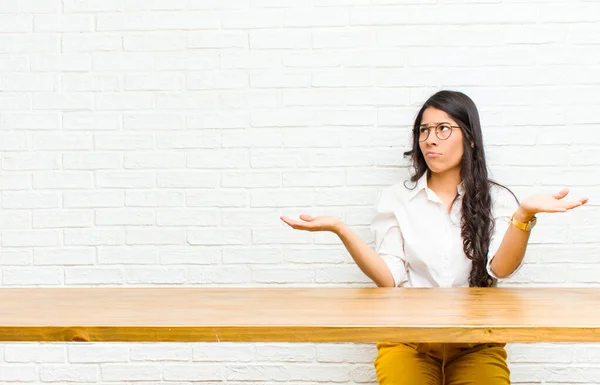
(450, 227)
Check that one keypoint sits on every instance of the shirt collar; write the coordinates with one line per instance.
(422, 185)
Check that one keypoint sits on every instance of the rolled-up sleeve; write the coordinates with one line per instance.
(504, 205)
(388, 237)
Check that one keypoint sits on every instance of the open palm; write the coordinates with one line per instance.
(309, 223)
(551, 203)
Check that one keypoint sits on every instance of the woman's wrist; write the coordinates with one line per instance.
(522, 215)
(338, 228)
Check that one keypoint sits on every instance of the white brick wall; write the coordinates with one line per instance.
(158, 142)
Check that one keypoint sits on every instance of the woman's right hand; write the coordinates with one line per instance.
(308, 223)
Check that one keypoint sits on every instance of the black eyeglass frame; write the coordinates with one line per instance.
(436, 131)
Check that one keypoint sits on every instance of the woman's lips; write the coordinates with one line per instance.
(431, 154)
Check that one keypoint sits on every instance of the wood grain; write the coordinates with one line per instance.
(300, 314)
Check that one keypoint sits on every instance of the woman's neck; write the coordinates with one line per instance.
(444, 184)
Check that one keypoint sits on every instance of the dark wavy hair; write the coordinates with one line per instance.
(477, 224)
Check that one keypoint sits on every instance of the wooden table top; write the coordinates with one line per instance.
(173, 314)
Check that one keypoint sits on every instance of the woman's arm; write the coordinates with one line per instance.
(365, 257)
(513, 246)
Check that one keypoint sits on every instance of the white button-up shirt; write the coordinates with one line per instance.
(421, 242)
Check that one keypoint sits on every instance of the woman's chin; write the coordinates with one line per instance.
(441, 167)
(439, 170)
(435, 168)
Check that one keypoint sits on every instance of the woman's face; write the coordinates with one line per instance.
(440, 155)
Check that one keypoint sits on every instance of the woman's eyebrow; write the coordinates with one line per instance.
(423, 124)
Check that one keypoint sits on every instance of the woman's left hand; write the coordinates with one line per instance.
(550, 203)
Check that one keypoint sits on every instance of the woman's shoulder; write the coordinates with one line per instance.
(393, 195)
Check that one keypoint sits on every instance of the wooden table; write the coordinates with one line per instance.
(300, 314)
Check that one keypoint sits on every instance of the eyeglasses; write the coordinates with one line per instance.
(442, 131)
